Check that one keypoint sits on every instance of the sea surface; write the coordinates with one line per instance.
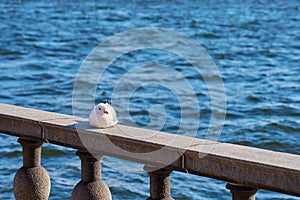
(254, 44)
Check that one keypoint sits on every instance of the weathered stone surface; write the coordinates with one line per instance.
(246, 166)
(232, 163)
(31, 152)
(32, 180)
(159, 183)
(241, 192)
(96, 190)
(90, 187)
(32, 183)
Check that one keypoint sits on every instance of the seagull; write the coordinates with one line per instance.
(103, 116)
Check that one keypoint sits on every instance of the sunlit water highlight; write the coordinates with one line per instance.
(256, 46)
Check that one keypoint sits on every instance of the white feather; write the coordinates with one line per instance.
(103, 116)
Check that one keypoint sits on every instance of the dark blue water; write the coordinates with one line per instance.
(256, 46)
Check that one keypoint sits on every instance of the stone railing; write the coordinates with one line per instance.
(245, 169)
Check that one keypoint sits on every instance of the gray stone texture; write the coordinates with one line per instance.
(159, 183)
(241, 192)
(32, 180)
(96, 190)
(256, 168)
(90, 187)
(31, 183)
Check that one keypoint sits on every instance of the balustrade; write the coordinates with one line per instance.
(31, 180)
(251, 168)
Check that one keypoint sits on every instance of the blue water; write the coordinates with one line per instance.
(255, 44)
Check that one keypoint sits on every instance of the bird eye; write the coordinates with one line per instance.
(99, 108)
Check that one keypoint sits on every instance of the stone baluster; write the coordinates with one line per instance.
(159, 183)
(31, 180)
(240, 192)
(90, 187)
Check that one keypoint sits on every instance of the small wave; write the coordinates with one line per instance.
(125, 192)
(273, 145)
(284, 126)
(52, 152)
(283, 146)
(207, 35)
(5, 97)
(253, 99)
(13, 154)
(283, 110)
(10, 53)
(244, 143)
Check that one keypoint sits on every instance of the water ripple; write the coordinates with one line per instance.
(256, 48)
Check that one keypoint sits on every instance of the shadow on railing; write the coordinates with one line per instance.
(245, 169)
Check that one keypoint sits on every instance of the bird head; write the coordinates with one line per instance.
(102, 109)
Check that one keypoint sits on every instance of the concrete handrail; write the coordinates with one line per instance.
(239, 165)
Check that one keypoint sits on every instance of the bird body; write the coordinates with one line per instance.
(103, 116)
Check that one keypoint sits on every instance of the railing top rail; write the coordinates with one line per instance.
(233, 163)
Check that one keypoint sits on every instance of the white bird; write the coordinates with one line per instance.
(103, 116)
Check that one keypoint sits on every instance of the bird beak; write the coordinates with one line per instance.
(106, 112)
